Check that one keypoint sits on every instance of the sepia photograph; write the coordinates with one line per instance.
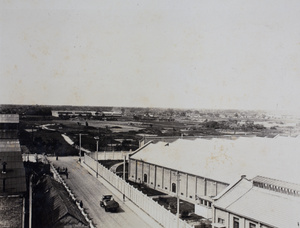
(149, 114)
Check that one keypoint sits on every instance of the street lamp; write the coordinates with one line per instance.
(97, 140)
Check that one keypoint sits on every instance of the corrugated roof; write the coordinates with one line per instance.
(226, 160)
(9, 145)
(279, 183)
(57, 204)
(9, 118)
(262, 205)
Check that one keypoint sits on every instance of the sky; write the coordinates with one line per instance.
(214, 54)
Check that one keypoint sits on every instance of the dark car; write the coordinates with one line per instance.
(109, 203)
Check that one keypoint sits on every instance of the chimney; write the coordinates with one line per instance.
(243, 176)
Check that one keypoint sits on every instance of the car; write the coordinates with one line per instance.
(108, 203)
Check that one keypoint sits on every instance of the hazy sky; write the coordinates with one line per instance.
(185, 54)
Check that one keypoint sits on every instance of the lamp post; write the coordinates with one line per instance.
(97, 140)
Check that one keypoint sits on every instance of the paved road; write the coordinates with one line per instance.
(89, 190)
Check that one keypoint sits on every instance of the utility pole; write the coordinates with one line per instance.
(80, 147)
(178, 203)
(124, 178)
(97, 140)
(124, 163)
(30, 201)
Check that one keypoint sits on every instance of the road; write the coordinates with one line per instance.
(88, 189)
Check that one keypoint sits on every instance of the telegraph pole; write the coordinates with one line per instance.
(178, 203)
(30, 201)
(124, 177)
(80, 146)
(97, 140)
(124, 163)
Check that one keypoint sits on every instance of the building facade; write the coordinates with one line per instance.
(201, 169)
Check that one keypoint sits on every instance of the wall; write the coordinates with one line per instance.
(192, 188)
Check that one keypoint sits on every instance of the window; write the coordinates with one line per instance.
(236, 223)
(209, 204)
(145, 178)
(221, 221)
(252, 225)
(174, 187)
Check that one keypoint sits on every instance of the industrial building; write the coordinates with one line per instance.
(206, 167)
(258, 203)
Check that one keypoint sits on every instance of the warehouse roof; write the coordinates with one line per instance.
(9, 118)
(225, 160)
(58, 206)
(261, 205)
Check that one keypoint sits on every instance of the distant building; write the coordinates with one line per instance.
(107, 115)
(9, 126)
(207, 166)
(258, 203)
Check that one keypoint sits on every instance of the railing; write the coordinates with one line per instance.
(148, 205)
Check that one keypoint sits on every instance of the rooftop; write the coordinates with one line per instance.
(10, 145)
(9, 118)
(262, 205)
(10, 153)
(11, 210)
(270, 181)
(57, 206)
(225, 160)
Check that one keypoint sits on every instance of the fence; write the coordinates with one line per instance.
(152, 208)
(111, 155)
